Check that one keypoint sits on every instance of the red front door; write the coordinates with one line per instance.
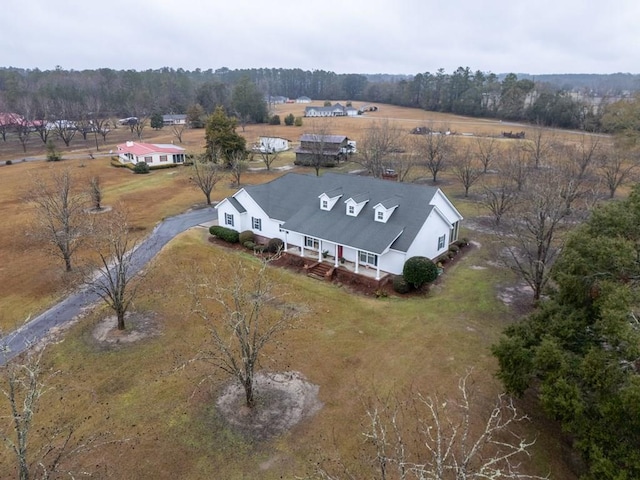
(339, 251)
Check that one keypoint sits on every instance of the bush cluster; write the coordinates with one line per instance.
(400, 284)
(246, 236)
(224, 233)
(289, 119)
(275, 245)
(248, 244)
(274, 120)
(419, 270)
(8, 162)
(298, 122)
(141, 167)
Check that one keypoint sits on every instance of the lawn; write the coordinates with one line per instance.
(158, 420)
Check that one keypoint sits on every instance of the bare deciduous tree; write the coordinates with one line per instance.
(61, 219)
(435, 148)
(499, 198)
(539, 146)
(115, 247)
(441, 438)
(486, 150)
(616, 169)
(465, 169)
(576, 164)
(381, 140)
(205, 175)
(515, 166)
(267, 154)
(40, 451)
(95, 192)
(537, 227)
(249, 317)
(237, 165)
(178, 131)
(22, 387)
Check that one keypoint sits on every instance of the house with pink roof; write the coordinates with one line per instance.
(153, 154)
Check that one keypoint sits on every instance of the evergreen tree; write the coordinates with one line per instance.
(221, 137)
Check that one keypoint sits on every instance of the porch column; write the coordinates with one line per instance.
(378, 270)
(357, 269)
(286, 243)
(335, 256)
(320, 250)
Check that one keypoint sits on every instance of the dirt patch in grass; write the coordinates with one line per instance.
(139, 325)
(282, 401)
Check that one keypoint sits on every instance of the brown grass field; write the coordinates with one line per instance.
(158, 420)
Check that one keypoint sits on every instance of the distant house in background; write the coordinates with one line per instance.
(303, 99)
(179, 119)
(10, 119)
(332, 148)
(271, 144)
(275, 99)
(335, 110)
(151, 153)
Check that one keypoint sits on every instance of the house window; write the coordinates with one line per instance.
(380, 215)
(441, 241)
(163, 158)
(367, 258)
(228, 219)
(148, 160)
(351, 209)
(325, 205)
(257, 223)
(311, 242)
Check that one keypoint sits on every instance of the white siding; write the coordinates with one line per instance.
(426, 242)
(392, 262)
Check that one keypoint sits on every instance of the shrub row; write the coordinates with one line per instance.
(224, 233)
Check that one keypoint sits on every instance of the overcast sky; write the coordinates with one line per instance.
(343, 36)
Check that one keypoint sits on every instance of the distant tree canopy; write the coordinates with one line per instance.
(248, 102)
(71, 95)
(580, 351)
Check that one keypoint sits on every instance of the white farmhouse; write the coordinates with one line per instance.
(151, 153)
(367, 222)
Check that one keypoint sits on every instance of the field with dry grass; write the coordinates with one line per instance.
(158, 417)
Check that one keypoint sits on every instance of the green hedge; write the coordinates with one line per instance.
(224, 233)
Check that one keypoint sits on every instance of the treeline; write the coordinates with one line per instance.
(60, 93)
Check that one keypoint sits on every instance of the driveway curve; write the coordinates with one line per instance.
(75, 304)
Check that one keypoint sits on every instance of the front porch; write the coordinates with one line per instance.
(314, 257)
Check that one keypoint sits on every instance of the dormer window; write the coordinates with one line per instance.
(329, 199)
(356, 203)
(385, 209)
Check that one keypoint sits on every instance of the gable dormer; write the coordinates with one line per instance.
(356, 203)
(329, 199)
(384, 209)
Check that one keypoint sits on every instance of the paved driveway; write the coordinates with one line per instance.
(75, 304)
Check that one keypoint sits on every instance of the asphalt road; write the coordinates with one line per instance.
(75, 304)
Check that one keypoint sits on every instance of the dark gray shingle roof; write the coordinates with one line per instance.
(293, 199)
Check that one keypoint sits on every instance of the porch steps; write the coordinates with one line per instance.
(320, 271)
